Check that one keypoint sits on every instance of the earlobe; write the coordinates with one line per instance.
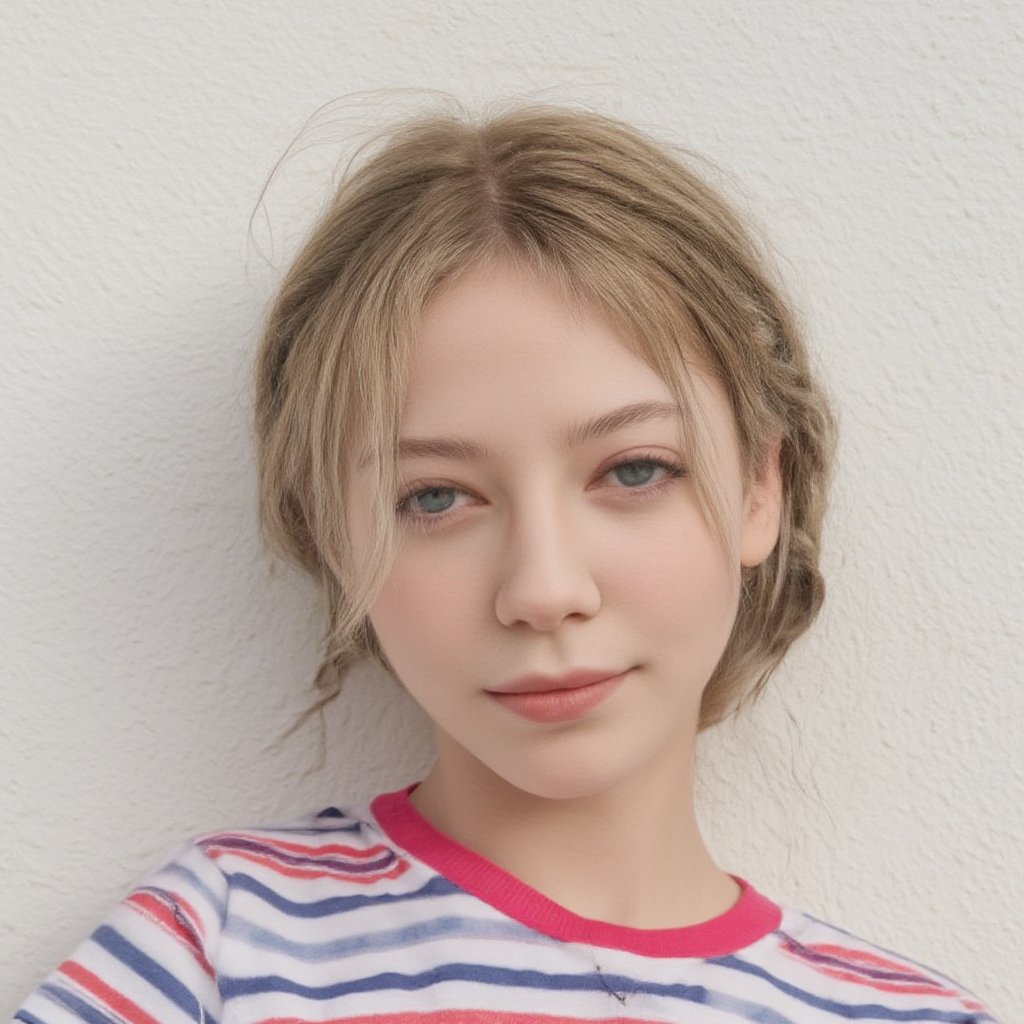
(763, 511)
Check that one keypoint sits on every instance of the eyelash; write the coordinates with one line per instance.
(425, 522)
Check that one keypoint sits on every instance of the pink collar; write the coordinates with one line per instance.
(751, 918)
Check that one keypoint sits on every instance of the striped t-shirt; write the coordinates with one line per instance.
(377, 918)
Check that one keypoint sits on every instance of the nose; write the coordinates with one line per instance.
(545, 575)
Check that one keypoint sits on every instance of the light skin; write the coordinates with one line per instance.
(536, 557)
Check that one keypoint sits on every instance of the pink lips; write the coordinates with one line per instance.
(558, 698)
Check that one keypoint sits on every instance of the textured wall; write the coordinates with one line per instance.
(150, 654)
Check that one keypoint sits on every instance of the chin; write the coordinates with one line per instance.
(567, 777)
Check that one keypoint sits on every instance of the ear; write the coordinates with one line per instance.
(763, 511)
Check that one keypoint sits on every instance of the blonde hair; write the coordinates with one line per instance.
(620, 223)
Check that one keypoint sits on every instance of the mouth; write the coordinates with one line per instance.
(575, 679)
(551, 700)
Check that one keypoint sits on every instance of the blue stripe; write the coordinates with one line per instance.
(159, 977)
(437, 886)
(610, 984)
(929, 972)
(195, 883)
(78, 1006)
(865, 970)
(28, 1018)
(849, 1011)
(393, 938)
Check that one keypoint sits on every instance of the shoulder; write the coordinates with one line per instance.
(834, 966)
(202, 884)
(320, 838)
(219, 917)
(331, 845)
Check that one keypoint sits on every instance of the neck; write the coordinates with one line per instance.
(632, 855)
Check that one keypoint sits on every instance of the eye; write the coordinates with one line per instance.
(636, 472)
(429, 506)
(430, 501)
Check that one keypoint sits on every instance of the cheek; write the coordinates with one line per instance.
(426, 612)
(678, 578)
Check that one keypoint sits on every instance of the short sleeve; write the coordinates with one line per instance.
(152, 960)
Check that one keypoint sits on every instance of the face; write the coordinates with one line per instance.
(521, 554)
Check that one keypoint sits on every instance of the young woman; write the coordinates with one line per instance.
(533, 413)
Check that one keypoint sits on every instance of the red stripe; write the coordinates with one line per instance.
(356, 853)
(853, 956)
(117, 1002)
(917, 987)
(161, 911)
(162, 908)
(855, 963)
(292, 871)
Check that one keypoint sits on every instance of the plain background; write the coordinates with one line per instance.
(152, 654)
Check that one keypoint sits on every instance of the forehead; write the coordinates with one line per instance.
(504, 338)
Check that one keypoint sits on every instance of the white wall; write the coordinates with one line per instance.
(151, 656)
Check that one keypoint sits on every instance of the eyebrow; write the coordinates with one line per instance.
(576, 434)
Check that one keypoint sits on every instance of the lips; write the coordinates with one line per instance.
(572, 680)
(551, 699)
